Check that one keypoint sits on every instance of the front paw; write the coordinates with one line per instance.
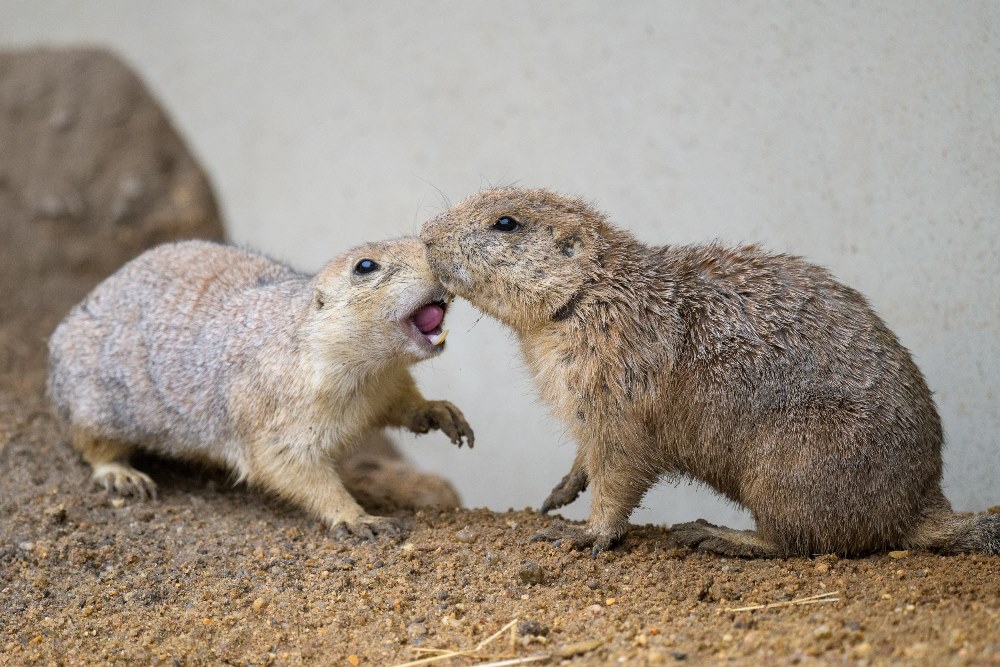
(566, 491)
(445, 417)
(580, 537)
(370, 527)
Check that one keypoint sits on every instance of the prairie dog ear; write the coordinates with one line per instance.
(571, 245)
(319, 299)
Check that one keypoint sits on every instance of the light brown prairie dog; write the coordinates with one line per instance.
(201, 351)
(756, 373)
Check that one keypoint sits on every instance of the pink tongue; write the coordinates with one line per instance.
(428, 318)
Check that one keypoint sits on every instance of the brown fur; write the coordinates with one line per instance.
(756, 373)
(205, 352)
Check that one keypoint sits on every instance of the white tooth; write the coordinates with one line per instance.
(439, 339)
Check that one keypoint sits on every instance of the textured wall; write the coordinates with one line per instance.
(866, 139)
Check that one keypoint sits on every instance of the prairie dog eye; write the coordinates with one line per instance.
(506, 224)
(366, 266)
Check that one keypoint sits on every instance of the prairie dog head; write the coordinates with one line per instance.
(521, 256)
(379, 303)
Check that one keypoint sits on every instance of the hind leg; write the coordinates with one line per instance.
(704, 536)
(109, 459)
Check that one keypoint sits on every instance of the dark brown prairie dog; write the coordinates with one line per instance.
(201, 351)
(755, 373)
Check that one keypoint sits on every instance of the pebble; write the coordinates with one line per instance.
(56, 513)
(862, 650)
(899, 554)
(578, 648)
(466, 536)
(531, 573)
(532, 628)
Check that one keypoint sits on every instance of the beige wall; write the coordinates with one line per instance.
(866, 138)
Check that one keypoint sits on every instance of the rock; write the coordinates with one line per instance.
(91, 174)
(578, 648)
(466, 536)
(56, 513)
(531, 573)
(532, 628)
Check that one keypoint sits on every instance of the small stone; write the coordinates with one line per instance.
(466, 536)
(118, 503)
(822, 632)
(862, 650)
(343, 564)
(532, 628)
(259, 604)
(593, 584)
(822, 568)
(531, 573)
(655, 657)
(354, 659)
(899, 554)
(678, 655)
(578, 648)
(56, 513)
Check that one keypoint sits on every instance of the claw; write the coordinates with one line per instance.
(123, 479)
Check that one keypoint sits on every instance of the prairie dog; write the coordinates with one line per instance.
(201, 351)
(756, 373)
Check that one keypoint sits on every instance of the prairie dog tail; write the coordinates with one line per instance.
(948, 532)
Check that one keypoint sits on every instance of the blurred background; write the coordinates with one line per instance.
(865, 137)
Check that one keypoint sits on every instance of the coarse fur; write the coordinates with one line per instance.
(207, 352)
(756, 373)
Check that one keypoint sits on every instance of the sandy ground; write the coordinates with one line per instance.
(216, 574)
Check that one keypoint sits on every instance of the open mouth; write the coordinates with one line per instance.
(427, 320)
